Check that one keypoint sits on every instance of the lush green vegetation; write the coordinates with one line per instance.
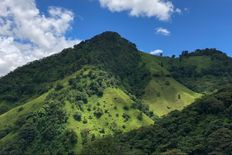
(60, 104)
(202, 69)
(81, 108)
(205, 127)
(164, 94)
(108, 51)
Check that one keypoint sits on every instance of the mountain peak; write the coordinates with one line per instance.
(108, 39)
(109, 34)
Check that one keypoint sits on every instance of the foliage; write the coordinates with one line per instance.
(98, 113)
(201, 70)
(109, 51)
(205, 127)
(43, 132)
(143, 108)
(77, 116)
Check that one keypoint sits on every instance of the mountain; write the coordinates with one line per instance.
(205, 127)
(101, 87)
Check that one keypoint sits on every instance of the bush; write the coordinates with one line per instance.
(59, 86)
(85, 121)
(140, 116)
(98, 113)
(71, 137)
(126, 108)
(20, 109)
(102, 131)
(77, 116)
(82, 96)
(126, 117)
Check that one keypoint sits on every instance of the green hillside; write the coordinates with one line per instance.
(202, 71)
(102, 87)
(109, 51)
(164, 94)
(85, 106)
(205, 127)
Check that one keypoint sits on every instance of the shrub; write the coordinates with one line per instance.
(59, 86)
(102, 130)
(126, 108)
(77, 116)
(82, 96)
(71, 136)
(140, 116)
(20, 109)
(98, 113)
(179, 96)
(85, 121)
(126, 117)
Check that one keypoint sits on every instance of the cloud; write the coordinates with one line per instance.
(163, 31)
(161, 9)
(157, 52)
(178, 11)
(26, 34)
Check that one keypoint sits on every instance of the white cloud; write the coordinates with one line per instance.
(178, 10)
(26, 34)
(162, 31)
(157, 52)
(161, 9)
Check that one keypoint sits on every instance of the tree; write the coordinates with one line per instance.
(77, 116)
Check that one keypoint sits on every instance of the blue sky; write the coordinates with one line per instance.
(33, 29)
(201, 24)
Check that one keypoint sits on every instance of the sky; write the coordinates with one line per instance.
(33, 29)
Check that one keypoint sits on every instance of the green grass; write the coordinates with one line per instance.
(153, 64)
(162, 93)
(10, 117)
(112, 101)
(162, 96)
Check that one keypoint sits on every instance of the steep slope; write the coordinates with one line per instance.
(163, 93)
(81, 108)
(108, 51)
(205, 127)
(202, 70)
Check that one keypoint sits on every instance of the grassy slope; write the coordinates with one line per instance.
(113, 101)
(163, 98)
(200, 71)
(202, 128)
(109, 121)
(164, 94)
(9, 118)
